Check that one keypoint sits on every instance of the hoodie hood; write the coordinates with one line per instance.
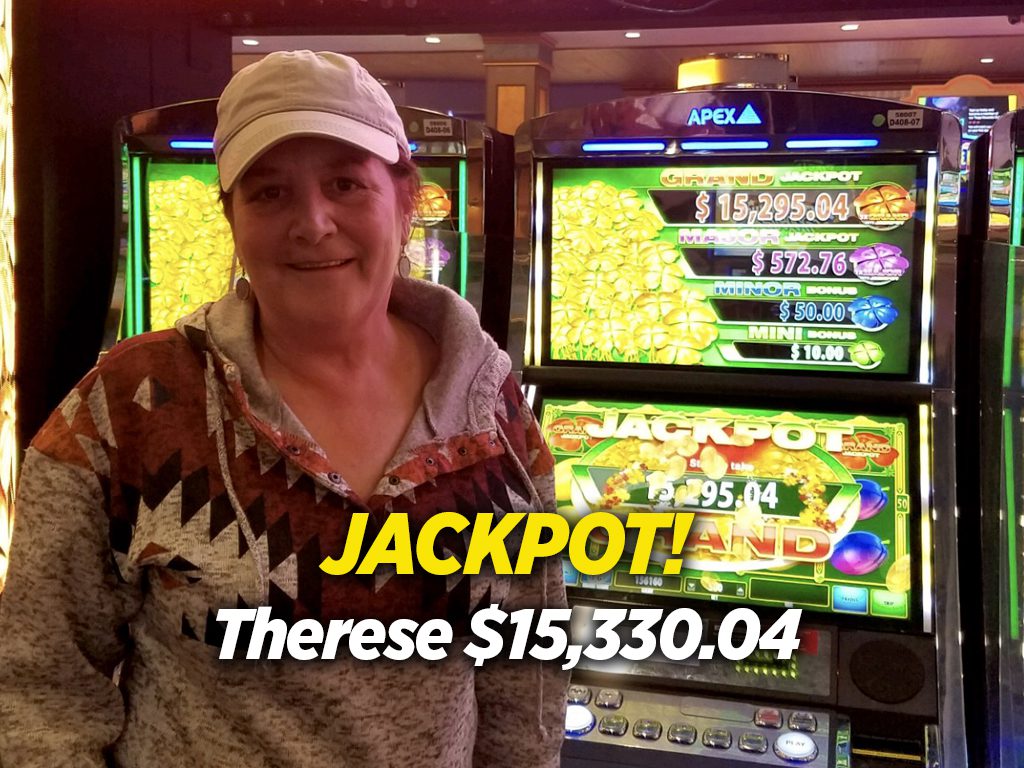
(457, 400)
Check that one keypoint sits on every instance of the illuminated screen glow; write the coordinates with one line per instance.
(811, 267)
(804, 509)
(723, 144)
(624, 146)
(435, 247)
(1010, 459)
(1017, 224)
(830, 143)
(195, 144)
(188, 259)
(976, 114)
(181, 246)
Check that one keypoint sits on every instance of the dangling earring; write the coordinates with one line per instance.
(404, 265)
(241, 286)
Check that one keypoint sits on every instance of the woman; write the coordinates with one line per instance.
(217, 464)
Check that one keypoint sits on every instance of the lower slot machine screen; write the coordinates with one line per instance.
(792, 509)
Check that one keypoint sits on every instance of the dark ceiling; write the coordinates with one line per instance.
(527, 16)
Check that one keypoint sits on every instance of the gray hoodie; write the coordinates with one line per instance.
(173, 481)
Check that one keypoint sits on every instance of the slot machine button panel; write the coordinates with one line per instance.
(753, 742)
(696, 729)
(803, 721)
(579, 720)
(578, 694)
(768, 718)
(613, 725)
(796, 747)
(608, 698)
(682, 733)
(717, 738)
(646, 729)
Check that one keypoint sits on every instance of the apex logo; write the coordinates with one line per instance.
(724, 116)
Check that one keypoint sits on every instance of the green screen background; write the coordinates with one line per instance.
(611, 249)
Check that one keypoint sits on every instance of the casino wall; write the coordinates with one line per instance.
(79, 67)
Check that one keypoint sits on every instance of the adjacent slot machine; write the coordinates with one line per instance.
(975, 101)
(175, 248)
(740, 304)
(991, 361)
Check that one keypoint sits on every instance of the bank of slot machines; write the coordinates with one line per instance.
(740, 303)
(991, 330)
(174, 248)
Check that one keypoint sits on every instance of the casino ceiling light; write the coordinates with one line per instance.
(432, 39)
(850, 27)
(987, 60)
(632, 35)
(250, 41)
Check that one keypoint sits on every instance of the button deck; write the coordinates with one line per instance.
(735, 731)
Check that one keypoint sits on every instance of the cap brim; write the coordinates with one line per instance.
(261, 134)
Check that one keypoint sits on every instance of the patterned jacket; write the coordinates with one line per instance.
(173, 481)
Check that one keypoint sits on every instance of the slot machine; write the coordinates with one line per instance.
(991, 362)
(740, 303)
(174, 244)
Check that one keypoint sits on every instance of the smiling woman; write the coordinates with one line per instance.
(318, 226)
(217, 464)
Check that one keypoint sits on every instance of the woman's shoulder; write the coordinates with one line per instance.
(169, 347)
(157, 361)
(155, 373)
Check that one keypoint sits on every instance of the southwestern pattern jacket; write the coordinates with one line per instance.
(173, 481)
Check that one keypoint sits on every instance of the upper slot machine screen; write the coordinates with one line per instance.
(188, 238)
(810, 267)
(799, 509)
(434, 248)
(977, 114)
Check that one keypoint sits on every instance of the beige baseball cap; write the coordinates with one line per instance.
(301, 93)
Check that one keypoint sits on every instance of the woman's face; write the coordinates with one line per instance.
(319, 229)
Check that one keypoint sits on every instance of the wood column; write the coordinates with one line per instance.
(518, 79)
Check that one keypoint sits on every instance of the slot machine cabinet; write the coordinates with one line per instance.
(718, 270)
(990, 365)
(174, 247)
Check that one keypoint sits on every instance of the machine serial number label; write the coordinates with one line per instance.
(905, 118)
(437, 126)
